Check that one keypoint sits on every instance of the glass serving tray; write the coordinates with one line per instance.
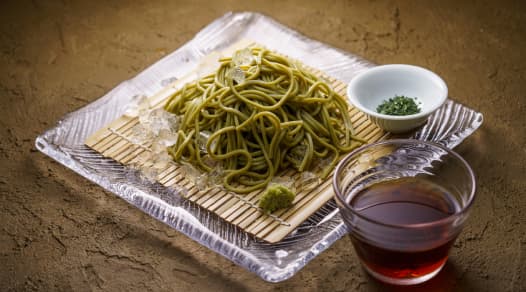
(450, 125)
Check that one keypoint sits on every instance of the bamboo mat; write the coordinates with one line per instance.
(113, 141)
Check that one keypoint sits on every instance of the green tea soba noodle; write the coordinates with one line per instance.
(259, 113)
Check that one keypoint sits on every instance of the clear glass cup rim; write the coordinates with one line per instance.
(340, 197)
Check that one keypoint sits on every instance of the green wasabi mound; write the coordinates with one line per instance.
(276, 197)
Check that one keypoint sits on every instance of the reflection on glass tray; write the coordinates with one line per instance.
(272, 262)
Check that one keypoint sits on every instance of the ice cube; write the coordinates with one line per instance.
(321, 165)
(207, 160)
(141, 160)
(173, 121)
(285, 181)
(166, 138)
(140, 135)
(190, 172)
(132, 110)
(157, 147)
(202, 139)
(156, 120)
(201, 182)
(162, 160)
(308, 180)
(199, 179)
(145, 119)
(215, 177)
(242, 57)
(137, 104)
(236, 74)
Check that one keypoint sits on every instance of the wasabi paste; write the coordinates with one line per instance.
(276, 197)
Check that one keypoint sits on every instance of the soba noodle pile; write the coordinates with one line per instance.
(259, 113)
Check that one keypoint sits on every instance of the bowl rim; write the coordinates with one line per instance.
(452, 217)
(374, 70)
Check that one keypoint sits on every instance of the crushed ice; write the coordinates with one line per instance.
(138, 104)
(242, 57)
(156, 127)
(321, 165)
(285, 181)
(161, 160)
(207, 160)
(202, 140)
(200, 180)
(140, 135)
(309, 180)
(215, 177)
(236, 74)
(166, 138)
(159, 119)
(203, 181)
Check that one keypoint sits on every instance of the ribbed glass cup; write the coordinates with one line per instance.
(410, 252)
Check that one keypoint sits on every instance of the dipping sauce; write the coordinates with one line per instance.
(404, 201)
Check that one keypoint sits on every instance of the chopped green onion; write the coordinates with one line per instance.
(399, 106)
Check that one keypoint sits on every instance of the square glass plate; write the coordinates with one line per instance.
(450, 125)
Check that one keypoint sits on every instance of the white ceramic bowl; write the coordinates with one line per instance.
(370, 88)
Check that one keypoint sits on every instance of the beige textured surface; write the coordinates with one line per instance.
(60, 232)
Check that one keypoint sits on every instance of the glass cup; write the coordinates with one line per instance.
(404, 203)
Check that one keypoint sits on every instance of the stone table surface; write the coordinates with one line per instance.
(60, 232)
